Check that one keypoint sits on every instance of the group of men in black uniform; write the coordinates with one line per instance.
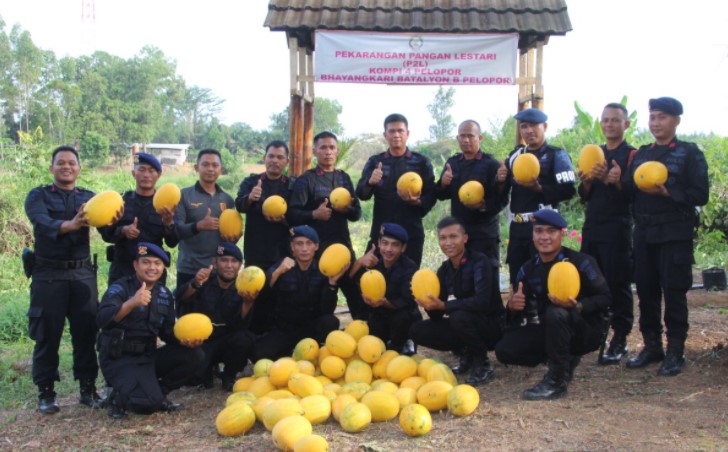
(467, 317)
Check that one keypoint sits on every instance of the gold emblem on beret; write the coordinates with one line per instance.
(220, 251)
(143, 251)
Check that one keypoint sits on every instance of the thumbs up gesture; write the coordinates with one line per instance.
(203, 275)
(518, 299)
(369, 260)
(256, 192)
(209, 223)
(322, 212)
(615, 173)
(446, 178)
(502, 173)
(142, 297)
(376, 175)
(131, 231)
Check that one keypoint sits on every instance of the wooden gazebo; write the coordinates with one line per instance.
(533, 20)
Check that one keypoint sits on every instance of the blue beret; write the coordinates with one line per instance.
(549, 217)
(150, 249)
(305, 231)
(666, 105)
(532, 115)
(394, 231)
(149, 159)
(229, 249)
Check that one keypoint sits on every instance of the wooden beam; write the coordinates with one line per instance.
(296, 135)
(538, 91)
(307, 134)
(294, 69)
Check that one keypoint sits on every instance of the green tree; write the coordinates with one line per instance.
(26, 71)
(440, 111)
(94, 149)
(325, 117)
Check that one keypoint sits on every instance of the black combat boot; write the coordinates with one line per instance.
(228, 381)
(616, 351)
(465, 363)
(113, 408)
(482, 372)
(47, 403)
(573, 362)
(674, 359)
(651, 353)
(167, 405)
(553, 386)
(409, 348)
(89, 396)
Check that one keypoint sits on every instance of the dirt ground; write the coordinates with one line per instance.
(607, 408)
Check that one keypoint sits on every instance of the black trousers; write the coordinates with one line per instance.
(392, 325)
(136, 379)
(519, 251)
(562, 334)
(357, 308)
(55, 295)
(664, 269)
(233, 350)
(615, 261)
(457, 331)
(281, 339)
(489, 247)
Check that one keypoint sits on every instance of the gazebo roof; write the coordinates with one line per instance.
(534, 20)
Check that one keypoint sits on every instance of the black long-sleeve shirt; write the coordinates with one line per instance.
(399, 279)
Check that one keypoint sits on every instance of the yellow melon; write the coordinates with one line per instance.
(383, 405)
(341, 402)
(250, 281)
(379, 369)
(308, 368)
(406, 396)
(280, 409)
(281, 370)
(274, 206)
(316, 408)
(355, 388)
(166, 196)
(650, 174)
(333, 367)
(101, 209)
(384, 385)
(242, 384)
(355, 417)
(433, 395)
(289, 430)
(373, 285)
(410, 182)
(235, 419)
(563, 281)
(322, 354)
(231, 223)
(358, 370)
(340, 344)
(370, 348)
(259, 405)
(260, 368)
(471, 193)
(279, 394)
(304, 385)
(400, 368)
(261, 386)
(333, 259)
(415, 420)
(525, 168)
(307, 349)
(424, 365)
(193, 326)
(590, 155)
(441, 372)
(311, 443)
(357, 329)
(463, 400)
(243, 396)
(424, 283)
(340, 198)
(413, 382)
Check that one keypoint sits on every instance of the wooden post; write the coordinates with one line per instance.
(295, 119)
(538, 97)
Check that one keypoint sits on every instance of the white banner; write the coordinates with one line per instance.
(416, 59)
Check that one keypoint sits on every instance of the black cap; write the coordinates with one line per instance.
(149, 159)
(531, 115)
(305, 231)
(666, 105)
(394, 231)
(229, 249)
(150, 249)
(549, 217)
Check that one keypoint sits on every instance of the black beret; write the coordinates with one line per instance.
(229, 249)
(666, 105)
(531, 115)
(549, 217)
(305, 231)
(150, 249)
(149, 159)
(394, 231)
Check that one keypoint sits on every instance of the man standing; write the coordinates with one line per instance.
(554, 184)
(544, 328)
(310, 205)
(197, 217)
(391, 317)
(379, 179)
(305, 299)
(467, 315)
(64, 282)
(134, 312)
(472, 164)
(266, 239)
(213, 293)
(665, 220)
(607, 231)
(141, 222)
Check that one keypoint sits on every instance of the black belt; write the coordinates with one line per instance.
(661, 218)
(62, 265)
(138, 347)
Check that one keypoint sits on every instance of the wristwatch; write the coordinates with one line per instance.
(195, 285)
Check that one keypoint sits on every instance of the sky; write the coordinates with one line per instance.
(641, 49)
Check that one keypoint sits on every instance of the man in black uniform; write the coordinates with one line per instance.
(472, 164)
(665, 220)
(391, 317)
(64, 282)
(134, 311)
(541, 328)
(310, 205)
(213, 293)
(141, 222)
(266, 240)
(607, 231)
(305, 299)
(379, 179)
(467, 316)
(554, 184)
